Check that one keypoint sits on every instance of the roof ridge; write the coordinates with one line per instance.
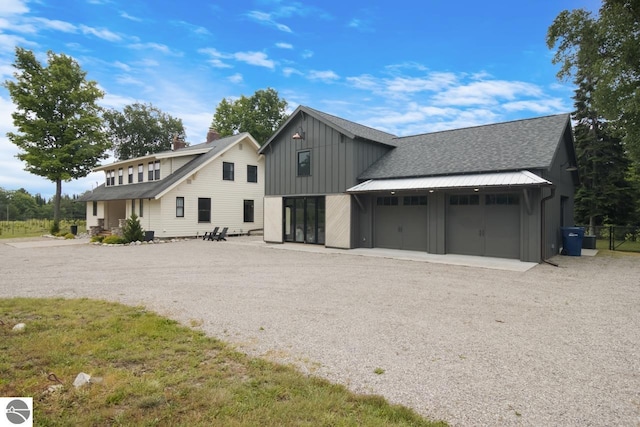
(482, 126)
(350, 121)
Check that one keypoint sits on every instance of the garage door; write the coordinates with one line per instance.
(401, 222)
(484, 225)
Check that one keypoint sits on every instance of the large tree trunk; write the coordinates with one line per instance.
(592, 225)
(56, 201)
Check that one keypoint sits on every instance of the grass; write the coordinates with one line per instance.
(35, 227)
(155, 372)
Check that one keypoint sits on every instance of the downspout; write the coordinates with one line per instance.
(543, 224)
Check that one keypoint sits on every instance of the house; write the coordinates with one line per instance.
(185, 191)
(500, 190)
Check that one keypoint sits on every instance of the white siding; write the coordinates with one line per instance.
(92, 221)
(227, 197)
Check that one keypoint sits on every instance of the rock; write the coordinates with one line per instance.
(81, 380)
(19, 327)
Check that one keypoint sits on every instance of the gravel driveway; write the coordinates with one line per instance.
(473, 346)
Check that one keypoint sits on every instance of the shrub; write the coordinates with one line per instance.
(97, 238)
(114, 240)
(69, 236)
(55, 228)
(132, 230)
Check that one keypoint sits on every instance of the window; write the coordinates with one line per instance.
(140, 172)
(180, 207)
(141, 207)
(464, 199)
(387, 201)
(107, 181)
(111, 177)
(95, 208)
(227, 171)
(157, 170)
(133, 206)
(304, 163)
(120, 172)
(415, 201)
(248, 211)
(204, 210)
(252, 173)
(130, 174)
(150, 178)
(501, 199)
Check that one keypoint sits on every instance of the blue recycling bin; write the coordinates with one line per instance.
(572, 240)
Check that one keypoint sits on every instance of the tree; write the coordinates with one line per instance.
(614, 60)
(261, 115)
(604, 194)
(132, 230)
(57, 118)
(141, 129)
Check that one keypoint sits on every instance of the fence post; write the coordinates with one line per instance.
(611, 239)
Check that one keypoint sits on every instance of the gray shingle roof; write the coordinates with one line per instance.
(516, 145)
(147, 190)
(356, 129)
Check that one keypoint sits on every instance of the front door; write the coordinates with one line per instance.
(304, 219)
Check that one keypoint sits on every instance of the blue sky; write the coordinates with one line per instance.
(405, 67)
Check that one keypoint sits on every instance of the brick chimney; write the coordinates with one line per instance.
(177, 143)
(212, 135)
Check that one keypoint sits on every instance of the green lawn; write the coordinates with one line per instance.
(35, 227)
(152, 371)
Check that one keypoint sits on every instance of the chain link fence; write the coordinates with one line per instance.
(615, 238)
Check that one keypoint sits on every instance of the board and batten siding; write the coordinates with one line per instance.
(336, 160)
(227, 197)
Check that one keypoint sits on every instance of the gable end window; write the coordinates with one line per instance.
(252, 173)
(120, 172)
(180, 207)
(140, 172)
(227, 171)
(150, 178)
(130, 174)
(157, 170)
(304, 163)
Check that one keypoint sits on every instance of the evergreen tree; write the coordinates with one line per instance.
(132, 230)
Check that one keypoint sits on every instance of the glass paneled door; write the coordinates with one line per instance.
(304, 219)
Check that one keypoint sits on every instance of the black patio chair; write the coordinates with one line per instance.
(222, 235)
(210, 236)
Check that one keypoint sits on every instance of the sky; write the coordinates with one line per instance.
(405, 67)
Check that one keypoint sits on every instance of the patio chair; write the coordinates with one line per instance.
(210, 236)
(222, 235)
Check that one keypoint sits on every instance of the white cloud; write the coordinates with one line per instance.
(266, 19)
(306, 54)
(289, 71)
(432, 82)
(13, 7)
(101, 33)
(258, 59)
(57, 25)
(8, 42)
(125, 15)
(326, 76)
(538, 106)
(195, 29)
(235, 78)
(163, 48)
(486, 92)
(284, 45)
